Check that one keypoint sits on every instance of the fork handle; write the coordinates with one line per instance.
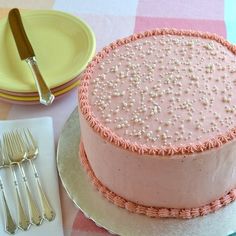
(48, 212)
(35, 216)
(10, 225)
(24, 223)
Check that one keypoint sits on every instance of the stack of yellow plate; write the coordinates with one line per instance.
(63, 45)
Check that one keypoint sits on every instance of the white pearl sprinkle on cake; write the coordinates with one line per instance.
(166, 90)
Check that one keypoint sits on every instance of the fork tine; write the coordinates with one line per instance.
(14, 140)
(4, 143)
(23, 139)
(19, 140)
(16, 144)
(1, 149)
(10, 144)
(26, 139)
(1, 155)
(4, 152)
(30, 138)
(8, 149)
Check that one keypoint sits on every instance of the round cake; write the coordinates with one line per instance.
(158, 123)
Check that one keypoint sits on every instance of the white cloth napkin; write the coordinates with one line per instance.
(42, 130)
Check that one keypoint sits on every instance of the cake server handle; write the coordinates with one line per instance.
(45, 95)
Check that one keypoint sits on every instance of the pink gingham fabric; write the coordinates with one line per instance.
(111, 20)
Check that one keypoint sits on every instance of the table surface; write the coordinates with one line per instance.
(111, 20)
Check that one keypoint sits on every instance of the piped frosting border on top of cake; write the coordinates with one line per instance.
(113, 138)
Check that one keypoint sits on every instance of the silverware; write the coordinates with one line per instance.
(17, 155)
(23, 220)
(32, 152)
(26, 53)
(9, 224)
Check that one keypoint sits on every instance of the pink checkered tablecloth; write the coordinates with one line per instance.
(111, 20)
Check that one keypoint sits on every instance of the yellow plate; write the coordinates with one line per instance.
(36, 98)
(63, 45)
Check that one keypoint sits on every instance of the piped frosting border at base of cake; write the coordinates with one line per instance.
(154, 212)
(111, 137)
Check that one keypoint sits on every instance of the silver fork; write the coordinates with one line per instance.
(9, 224)
(17, 155)
(23, 220)
(32, 152)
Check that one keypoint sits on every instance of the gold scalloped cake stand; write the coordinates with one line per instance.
(120, 221)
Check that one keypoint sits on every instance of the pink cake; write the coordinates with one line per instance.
(157, 117)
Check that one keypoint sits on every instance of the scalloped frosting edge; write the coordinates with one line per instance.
(155, 212)
(116, 140)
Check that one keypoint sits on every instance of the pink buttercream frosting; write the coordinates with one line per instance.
(156, 212)
(177, 105)
(157, 113)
